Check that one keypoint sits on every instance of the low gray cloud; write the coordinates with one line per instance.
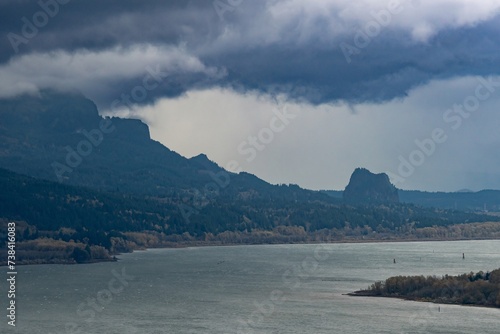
(110, 74)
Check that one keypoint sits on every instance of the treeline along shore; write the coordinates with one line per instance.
(68, 246)
(477, 289)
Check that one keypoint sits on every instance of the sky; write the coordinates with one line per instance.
(293, 91)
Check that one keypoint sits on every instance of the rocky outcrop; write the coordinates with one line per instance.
(366, 187)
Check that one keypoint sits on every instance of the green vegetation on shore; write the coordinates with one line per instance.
(480, 289)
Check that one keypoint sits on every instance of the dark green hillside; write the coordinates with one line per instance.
(50, 206)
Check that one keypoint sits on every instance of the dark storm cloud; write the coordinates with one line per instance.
(95, 24)
(256, 46)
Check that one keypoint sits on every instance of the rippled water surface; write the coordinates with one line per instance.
(250, 289)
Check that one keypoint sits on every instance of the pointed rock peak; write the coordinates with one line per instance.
(366, 187)
(200, 157)
(205, 163)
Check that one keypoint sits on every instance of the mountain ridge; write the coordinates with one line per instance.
(39, 135)
(61, 137)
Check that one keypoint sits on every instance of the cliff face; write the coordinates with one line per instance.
(367, 188)
(61, 137)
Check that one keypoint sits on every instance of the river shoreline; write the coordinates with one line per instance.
(362, 293)
(190, 244)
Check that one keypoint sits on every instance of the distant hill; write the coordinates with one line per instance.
(338, 194)
(367, 188)
(485, 200)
